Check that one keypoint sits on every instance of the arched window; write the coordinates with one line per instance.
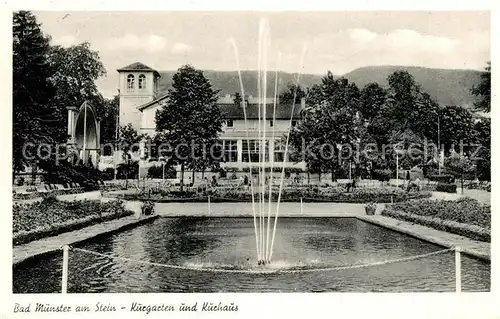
(130, 82)
(142, 82)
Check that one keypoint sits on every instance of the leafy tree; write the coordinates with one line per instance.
(109, 116)
(482, 133)
(314, 95)
(237, 99)
(328, 125)
(128, 141)
(402, 98)
(408, 147)
(35, 119)
(372, 100)
(292, 91)
(483, 91)
(456, 127)
(460, 165)
(190, 120)
(76, 70)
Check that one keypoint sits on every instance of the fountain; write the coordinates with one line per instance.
(263, 239)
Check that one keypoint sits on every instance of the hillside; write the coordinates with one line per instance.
(448, 87)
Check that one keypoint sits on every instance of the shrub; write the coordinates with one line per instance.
(465, 210)
(108, 174)
(448, 188)
(467, 230)
(309, 194)
(370, 209)
(448, 178)
(148, 208)
(382, 175)
(156, 171)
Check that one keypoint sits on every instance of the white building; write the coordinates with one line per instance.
(139, 103)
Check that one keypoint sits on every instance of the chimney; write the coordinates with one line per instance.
(303, 103)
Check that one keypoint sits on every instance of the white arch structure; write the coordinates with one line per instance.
(84, 132)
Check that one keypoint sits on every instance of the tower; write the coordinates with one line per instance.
(138, 85)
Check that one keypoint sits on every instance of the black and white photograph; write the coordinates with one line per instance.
(250, 152)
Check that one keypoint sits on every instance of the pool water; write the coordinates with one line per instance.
(229, 243)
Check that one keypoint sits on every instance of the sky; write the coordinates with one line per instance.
(335, 41)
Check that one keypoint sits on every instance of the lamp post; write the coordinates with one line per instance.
(439, 147)
(116, 135)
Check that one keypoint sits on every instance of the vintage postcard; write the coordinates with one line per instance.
(171, 163)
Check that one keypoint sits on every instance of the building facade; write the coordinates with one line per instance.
(241, 140)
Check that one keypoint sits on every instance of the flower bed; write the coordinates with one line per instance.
(465, 217)
(51, 217)
(56, 192)
(289, 194)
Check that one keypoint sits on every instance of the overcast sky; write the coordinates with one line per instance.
(339, 41)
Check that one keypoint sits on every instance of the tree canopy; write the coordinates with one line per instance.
(483, 91)
(36, 119)
(191, 120)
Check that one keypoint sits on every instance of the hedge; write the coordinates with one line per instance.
(157, 172)
(466, 230)
(35, 194)
(289, 194)
(382, 175)
(463, 211)
(51, 217)
(448, 188)
(442, 178)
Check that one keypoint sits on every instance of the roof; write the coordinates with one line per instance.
(148, 104)
(283, 111)
(235, 112)
(138, 66)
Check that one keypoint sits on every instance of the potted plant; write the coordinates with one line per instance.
(370, 209)
(148, 208)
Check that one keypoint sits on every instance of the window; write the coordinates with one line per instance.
(130, 82)
(271, 123)
(230, 151)
(279, 150)
(294, 123)
(254, 148)
(229, 123)
(142, 82)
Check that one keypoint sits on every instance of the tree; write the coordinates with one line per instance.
(128, 141)
(460, 165)
(314, 96)
(402, 97)
(108, 120)
(482, 134)
(372, 100)
(237, 99)
(191, 120)
(76, 70)
(329, 124)
(483, 91)
(36, 120)
(293, 93)
(456, 127)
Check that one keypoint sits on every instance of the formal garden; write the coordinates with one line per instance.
(50, 217)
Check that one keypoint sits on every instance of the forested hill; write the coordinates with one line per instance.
(447, 86)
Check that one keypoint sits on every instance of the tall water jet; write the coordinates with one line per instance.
(304, 50)
(236, 54)
(264, 246)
